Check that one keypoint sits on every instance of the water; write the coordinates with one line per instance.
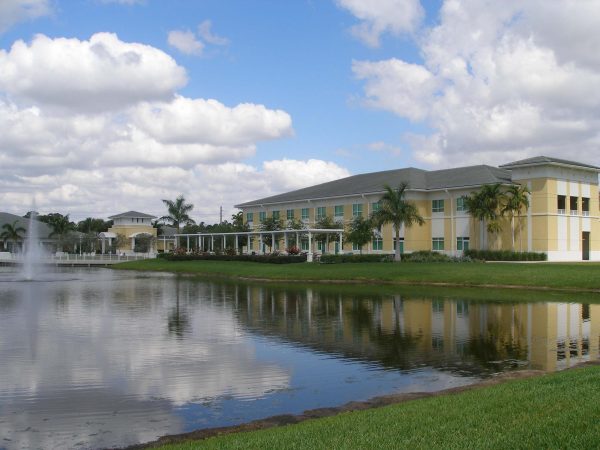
(95, 358)
(33, 252)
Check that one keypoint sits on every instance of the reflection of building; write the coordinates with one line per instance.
(466, 336)
(562, 220)
(133, 232)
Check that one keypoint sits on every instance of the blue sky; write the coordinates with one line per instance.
(355, 86)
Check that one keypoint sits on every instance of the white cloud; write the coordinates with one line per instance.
(15, 11)
(185, 42)
(288, 174)
(102, 73)
(383, 16)
(205, 32)
(499, 81)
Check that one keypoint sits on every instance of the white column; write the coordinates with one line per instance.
(260, 244)
(223, 243)
(236, 244)
(103, 245)
(212, 243)
(309, 257)
(187, 243)
(132, 243)
(341, 248)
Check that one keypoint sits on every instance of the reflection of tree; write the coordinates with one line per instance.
(493, 348)
(178, 321)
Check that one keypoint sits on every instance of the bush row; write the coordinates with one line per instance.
(270, 259)
(352, 258)
(505, 255)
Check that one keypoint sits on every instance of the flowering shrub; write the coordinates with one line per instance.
(294, 250)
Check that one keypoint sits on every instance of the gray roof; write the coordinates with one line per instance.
(417, 179)
(539, 160)
(44, 230)
(133, 214)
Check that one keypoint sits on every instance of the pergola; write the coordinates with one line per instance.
(207, 240)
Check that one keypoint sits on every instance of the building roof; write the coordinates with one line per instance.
(44, 230)
(543, 160)
(132, 214)
(371, 183)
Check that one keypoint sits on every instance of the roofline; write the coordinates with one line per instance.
(589, 168)
(454, 188)
(145, 216)
(248, 233)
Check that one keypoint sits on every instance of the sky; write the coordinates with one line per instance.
(113, 105)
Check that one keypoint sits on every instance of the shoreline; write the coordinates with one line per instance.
(353, 406)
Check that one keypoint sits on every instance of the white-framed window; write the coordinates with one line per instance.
(401, 245)
(460, 204)
(304, 245)
(320, 213)
(585, 206)
(320, 245)
(574, 205)
(437, 244)
(290, 214)
(262, 216)
(356, 247)
(275, 215)
(338, 211)
(375, 206)
(357, 209)
(561, 204)
(377, 243)
(305, 214)
(462, 243)
(437, 205)
(250, 217)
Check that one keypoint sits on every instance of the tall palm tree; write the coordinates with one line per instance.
(517, 199)
(178, 212)
(396, 210)
(61, 227)
(486, 205)
(12, 232)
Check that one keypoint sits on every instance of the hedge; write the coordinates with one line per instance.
(352, 258)
(269, 259)
(505, 255)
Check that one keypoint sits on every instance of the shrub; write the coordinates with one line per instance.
(352, 258)
(505, 255)
(426, 256)
(294, 250)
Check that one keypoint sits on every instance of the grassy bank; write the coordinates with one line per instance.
(560, 410)
(576, 276)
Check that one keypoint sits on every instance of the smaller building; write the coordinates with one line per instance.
(131, 232)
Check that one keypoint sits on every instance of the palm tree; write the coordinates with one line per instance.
(517, 199)
(61, 227)
(396, 210)
(178, 212)
(12, 232)
(486, 206)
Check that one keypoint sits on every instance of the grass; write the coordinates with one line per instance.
(574, 276)
(560, 410)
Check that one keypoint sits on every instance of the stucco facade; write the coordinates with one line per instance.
(562, 220)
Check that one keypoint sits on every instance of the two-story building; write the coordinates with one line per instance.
(562, 219)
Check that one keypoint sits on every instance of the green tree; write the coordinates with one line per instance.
(398, 211)
(12, 233)
(143, 243)
(61, 228)
(178, 212)
(360, 231)
(270, 224)
(326, 223)
(516, 200)
(486, 205)
(93, 225)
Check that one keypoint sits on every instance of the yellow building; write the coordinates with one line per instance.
(562, 220)
(133, 232)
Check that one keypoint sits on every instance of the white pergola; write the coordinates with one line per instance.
(207, 240)
(104, 236)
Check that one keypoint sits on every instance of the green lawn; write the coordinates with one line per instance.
(576, 276)
(560, 410)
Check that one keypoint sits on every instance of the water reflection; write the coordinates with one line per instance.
(98, 359)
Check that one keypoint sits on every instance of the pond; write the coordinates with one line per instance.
(93, 358)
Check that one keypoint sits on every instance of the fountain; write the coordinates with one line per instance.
(33, 253)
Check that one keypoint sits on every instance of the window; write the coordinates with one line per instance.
(320, 245)
(250, 217)
(573, 205)
(377, 243)
(437, 244)
(304, 245)
(338, 211)
(375, 206)
(460, 204)
(401, 245)
(356, 247)
(290, 214)
(357, 210)
(437, 306)
(275, 215)
(320, 213)
(437, 206)
(304, 214)
(262, 216)
(585, 206)
(561, 204)
(462, 243)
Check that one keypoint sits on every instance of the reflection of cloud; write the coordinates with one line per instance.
(94, 347)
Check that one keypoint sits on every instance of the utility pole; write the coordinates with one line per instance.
(220, 214)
